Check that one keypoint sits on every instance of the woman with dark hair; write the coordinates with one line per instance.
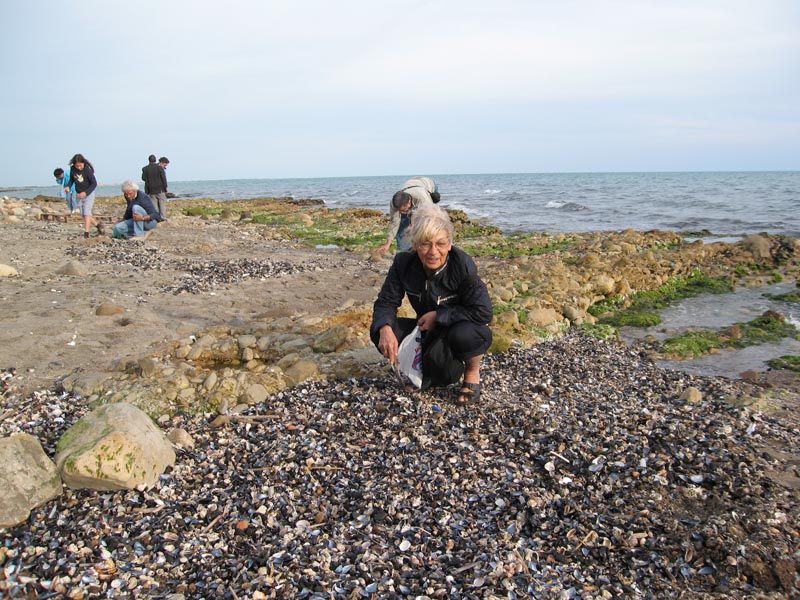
(82, 176)
(449, 298)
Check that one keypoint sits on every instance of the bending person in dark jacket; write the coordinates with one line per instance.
(442, 285)
(141, 215)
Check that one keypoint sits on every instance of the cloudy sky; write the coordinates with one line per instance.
(297, 88)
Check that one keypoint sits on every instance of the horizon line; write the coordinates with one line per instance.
(5, 188)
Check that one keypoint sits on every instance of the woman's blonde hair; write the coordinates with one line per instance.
(428, 221)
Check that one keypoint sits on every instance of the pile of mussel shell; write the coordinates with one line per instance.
(581, 473)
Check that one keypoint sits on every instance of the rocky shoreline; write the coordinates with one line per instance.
(586, 472)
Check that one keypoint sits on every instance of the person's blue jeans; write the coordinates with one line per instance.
(72, 200)
(403, 243)
(131, 228)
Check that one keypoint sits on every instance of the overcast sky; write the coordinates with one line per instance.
(295, 88)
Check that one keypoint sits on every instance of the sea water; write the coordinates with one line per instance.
(724, 204)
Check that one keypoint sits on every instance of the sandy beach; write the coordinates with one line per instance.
(50, 323)
(585, 473)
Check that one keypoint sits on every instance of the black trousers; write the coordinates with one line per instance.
(465, 338)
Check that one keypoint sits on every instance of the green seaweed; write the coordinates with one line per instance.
(599, 331)
(694, 343)
(769, 327)
(268, 219)
(787, 362)
(642, 305)
(200, 211)
(792, 297)
(632, 318)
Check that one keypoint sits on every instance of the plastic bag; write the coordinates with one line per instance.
(409, 357)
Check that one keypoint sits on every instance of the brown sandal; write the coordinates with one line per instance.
(469, 393)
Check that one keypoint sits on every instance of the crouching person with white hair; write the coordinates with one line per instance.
(141, 215)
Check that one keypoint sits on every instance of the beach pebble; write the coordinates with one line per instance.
(7, 271)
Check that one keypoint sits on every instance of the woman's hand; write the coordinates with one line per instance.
(82, 195)
(385, 247)
(388, 345)
(427, 321)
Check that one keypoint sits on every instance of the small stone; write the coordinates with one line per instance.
(108, 309)
(72, 268)
(691, 395)
(181, 438)
(147, 366)
(7, 271)
(220, 421)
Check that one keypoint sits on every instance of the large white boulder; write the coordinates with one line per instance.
(116, 446)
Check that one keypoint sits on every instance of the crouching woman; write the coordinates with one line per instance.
(449, 299)
(141, 215)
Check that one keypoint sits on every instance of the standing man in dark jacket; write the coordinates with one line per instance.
(155, 183)
(141, 216)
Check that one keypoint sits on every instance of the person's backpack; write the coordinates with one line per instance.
(435, 195)
(439, 366)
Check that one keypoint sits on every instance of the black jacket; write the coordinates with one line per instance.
(155, 179)
(84, 181)
(144, 201)
(455, 292)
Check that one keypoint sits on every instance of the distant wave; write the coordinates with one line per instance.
(566, 206)
(492, 191)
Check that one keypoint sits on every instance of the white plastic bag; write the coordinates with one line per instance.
(409, 357)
